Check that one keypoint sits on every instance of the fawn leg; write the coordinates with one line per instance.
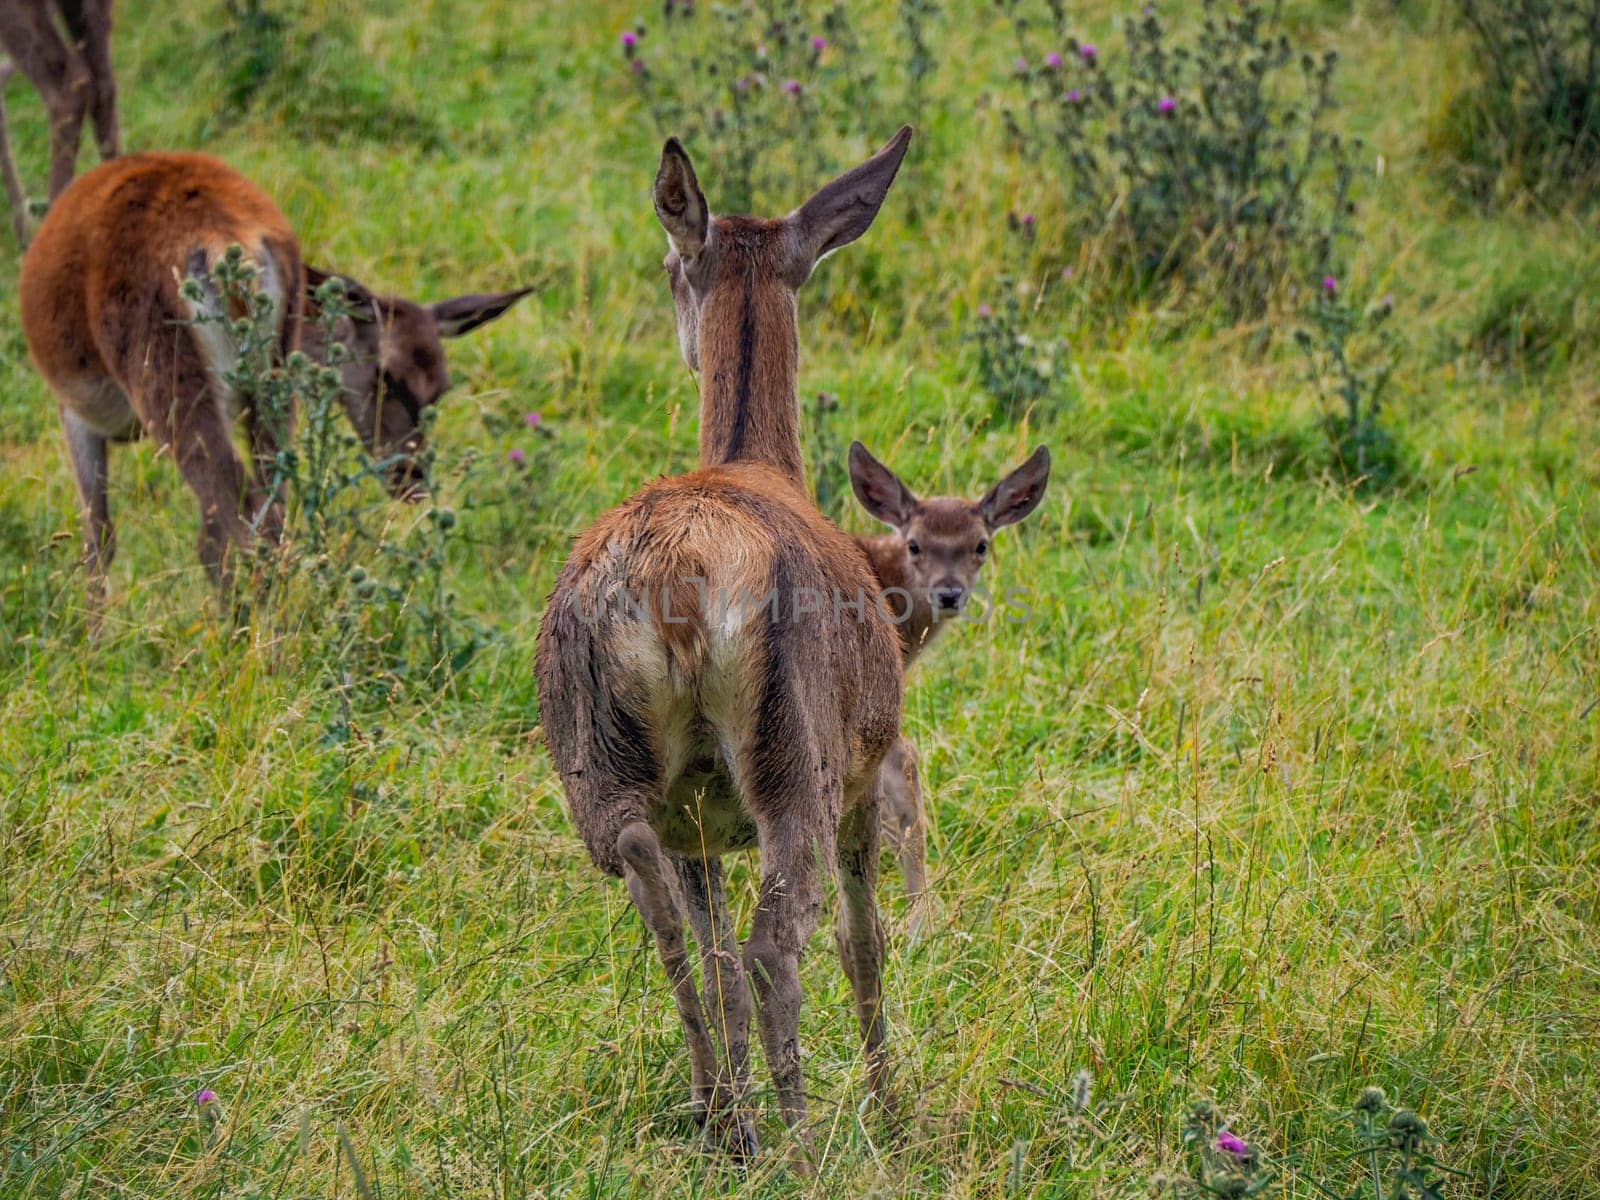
(88, 452)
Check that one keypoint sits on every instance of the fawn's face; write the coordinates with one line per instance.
(946, 538)
(396, 369)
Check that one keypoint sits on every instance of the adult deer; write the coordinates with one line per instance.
(690, 727)
(111, 332)
(73, 76)
(926, 570)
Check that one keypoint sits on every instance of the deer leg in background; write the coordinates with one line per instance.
(89, 23)
(28, 33)
(8, 162)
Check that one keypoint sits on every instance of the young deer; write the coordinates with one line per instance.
(73, 75)
(113, 336)
(926, 570)
(687, 727)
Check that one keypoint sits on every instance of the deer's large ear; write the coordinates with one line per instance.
(844, 209)
(457, 316)
(1018, 494)
(879, 489)
(362, 304)
(680, 204)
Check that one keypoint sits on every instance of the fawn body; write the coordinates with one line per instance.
(114, 336)
(926, 569)
(688, 728)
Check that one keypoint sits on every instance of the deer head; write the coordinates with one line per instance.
(942, 543)
(734, 281)
(396, 368)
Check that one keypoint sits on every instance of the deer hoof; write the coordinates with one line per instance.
(733, 1131)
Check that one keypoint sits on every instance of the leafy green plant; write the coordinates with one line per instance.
(1528, 126)
(1204, 165)
(369, 589)
(1351, 354)
(825, 450)
(1018, 369)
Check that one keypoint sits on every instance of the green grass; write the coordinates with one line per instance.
(1283, 791)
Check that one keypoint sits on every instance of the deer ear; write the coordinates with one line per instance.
(843, 210)
(879, 489)
(361, 303)
(680, 204)
(1018, 494)
(457, 316)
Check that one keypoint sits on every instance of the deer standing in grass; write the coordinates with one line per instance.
(64, 48)
(926, 570)
(688, 727)
(118, 343)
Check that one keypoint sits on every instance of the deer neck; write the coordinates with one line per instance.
(909, 607)
(749, 359)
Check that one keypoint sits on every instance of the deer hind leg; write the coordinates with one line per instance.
(89, 23)
(651, 885)
(726, 1000)
(87, 449)
(28, 32)
(859, 933)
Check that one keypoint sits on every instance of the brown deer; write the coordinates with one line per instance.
(686, 728)
(110, 330)
(926, 570)
(64, 48)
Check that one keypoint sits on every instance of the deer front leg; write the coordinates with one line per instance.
(726, 1001)
(87, 450)
(786, 916)
(859, 933)
(904, 825)
(89, 22)
(647, 871)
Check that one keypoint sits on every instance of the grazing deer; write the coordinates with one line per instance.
(687, 727)
(118, 343)
(926, 570)
(73, 75)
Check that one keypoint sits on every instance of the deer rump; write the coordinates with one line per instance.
(715, 651)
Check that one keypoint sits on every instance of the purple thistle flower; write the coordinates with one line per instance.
(637, 64)
(1074, 96)
(985, 311)
(533, 419)
(206, 1096)
(517, 456)
(1388, 300)
(819, 43)
(630, 40)
(1022, 65)
(1231, 1143)
(1027, 220)
(1052, 60)
(1166, 104)
(792, 86)
(1088, 50)
(1330, 285)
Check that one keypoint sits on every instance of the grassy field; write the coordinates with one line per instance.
(1285, 790)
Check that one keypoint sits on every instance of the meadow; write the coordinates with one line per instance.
(1285, 789)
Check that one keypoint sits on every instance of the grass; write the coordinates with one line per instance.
(1284, 790)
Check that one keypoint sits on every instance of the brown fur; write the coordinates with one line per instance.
(926, 592)
(64, 48)
(688, 729)
(112, 335)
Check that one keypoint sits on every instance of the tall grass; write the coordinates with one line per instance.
(1286, 789)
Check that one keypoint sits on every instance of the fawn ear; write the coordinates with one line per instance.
(457, 316)
(879, 489)
(362, 304)
(843, 210)
(680, 204)
(1018, 494)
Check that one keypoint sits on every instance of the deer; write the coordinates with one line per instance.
(926, 569)
(125, 351)
(73, 76)
(693, 728)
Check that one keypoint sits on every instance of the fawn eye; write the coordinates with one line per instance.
(983, 547)
(913, 548)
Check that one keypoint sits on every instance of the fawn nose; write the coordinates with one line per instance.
(949, 597)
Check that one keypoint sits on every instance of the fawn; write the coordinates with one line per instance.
(685, 728)
(113, 335)
(926, 570)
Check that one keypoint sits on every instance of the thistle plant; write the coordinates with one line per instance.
(1396, 1152)
(825, 449)
(1207, 165)
(1351, 353)
(1018, 370)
